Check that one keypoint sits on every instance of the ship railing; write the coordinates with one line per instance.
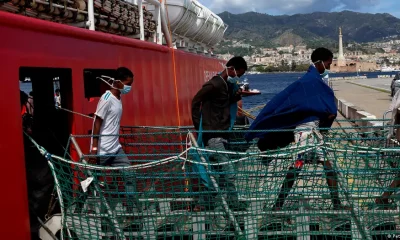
(127, 18)
(197, 29)
(173, 176)
(159, 16)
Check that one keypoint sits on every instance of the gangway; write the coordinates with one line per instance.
(94, 202)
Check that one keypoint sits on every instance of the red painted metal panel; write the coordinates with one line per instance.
(35, 43)
(13, 200)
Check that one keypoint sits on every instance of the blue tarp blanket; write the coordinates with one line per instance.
(308, 99)
(199, 168)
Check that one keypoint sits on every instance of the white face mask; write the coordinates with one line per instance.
(106, 80)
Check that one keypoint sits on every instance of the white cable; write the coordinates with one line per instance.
(81, 114)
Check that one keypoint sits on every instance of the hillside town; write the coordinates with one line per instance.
(351, 57)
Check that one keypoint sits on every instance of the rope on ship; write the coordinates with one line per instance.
(173, 68)
(248, 112)
(74, 112)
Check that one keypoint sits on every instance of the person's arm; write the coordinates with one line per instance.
(96, 131)
(236, 96)
(203, 94)
(101, 112)
(95, 139)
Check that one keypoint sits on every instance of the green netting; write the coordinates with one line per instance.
(281, 194)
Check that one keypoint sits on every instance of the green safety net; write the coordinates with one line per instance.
(322, 186)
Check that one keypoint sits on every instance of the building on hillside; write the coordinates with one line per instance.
(225, 56)
(248, 58)
(355, 66)
(287, 55)
(353, 53)
(287, 49)
(269, 51)
(387, 49)
(301, 47)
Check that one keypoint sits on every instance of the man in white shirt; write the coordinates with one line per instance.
(105, 141)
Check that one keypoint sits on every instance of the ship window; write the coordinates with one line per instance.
(93, 86)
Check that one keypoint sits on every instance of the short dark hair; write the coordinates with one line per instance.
(57, 90)
(321, 54)
(123, 73)
(237, 63)
(31, 93)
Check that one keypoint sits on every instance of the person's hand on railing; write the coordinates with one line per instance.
(93, 159)
(239, 92)
(332, 117)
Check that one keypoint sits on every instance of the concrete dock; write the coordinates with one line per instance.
(363, 99)
(370, 95)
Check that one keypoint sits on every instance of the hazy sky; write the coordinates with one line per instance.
(278, 7)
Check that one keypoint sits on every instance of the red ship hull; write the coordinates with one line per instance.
(165, 82)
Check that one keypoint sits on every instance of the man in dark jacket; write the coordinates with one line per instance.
(212, 107)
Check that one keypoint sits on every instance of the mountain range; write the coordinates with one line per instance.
(310, 28)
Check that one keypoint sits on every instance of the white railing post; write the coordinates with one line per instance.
(90, 22)
(162, 21)
(396, 114)
(141, 20)
(158, 35)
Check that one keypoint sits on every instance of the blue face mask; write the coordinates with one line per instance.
(326, 71)
(125, 90)
(233, 79)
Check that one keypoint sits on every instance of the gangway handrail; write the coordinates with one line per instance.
(363, 225)
(216, 187)
(113, 219)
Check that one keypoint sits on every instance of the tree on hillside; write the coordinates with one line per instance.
(293, 67)
(260, 69)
